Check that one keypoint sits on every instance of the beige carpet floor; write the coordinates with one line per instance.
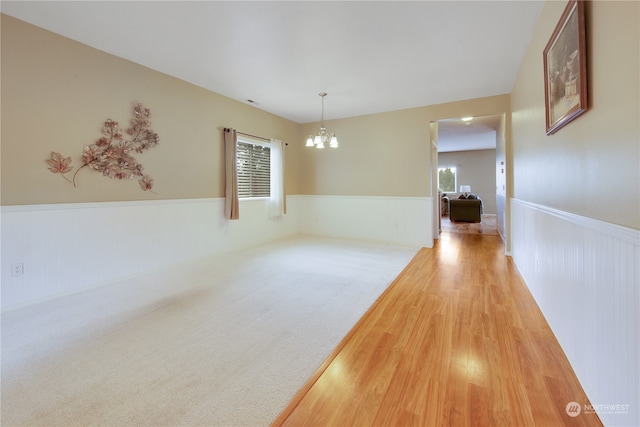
(225, 341)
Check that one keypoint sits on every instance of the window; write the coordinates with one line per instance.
(254, 169)
(447, 180)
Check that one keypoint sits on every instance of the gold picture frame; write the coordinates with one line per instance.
(565, 68)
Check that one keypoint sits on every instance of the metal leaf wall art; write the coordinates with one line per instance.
(112, 153)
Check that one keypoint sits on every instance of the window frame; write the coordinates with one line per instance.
(266, 180)
(455, 178)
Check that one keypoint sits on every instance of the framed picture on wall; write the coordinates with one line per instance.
(565, 68)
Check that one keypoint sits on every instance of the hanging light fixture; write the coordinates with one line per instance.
(322, 137)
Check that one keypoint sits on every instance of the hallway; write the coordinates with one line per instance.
(456, 340)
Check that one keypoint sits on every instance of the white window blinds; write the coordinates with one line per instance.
(254, 169)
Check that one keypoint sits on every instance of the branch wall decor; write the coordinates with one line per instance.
(112, 153)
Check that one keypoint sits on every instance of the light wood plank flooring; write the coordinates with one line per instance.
(456, 340)
(486, 226)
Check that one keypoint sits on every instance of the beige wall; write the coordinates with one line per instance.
(386, 154)
(56, 95)
(589, 167)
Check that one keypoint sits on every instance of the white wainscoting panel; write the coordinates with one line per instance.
(585, 276)
(400, 220)
(68, 247)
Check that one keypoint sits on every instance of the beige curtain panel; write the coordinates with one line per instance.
(231, 203)
(277, 200)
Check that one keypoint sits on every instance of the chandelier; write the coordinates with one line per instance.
(322, 137)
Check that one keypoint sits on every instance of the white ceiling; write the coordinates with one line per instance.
(369, 56)
(480, 133)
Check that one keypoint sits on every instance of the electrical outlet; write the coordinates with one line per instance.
(17, 269)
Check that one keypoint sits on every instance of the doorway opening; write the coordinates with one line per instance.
(469, 157)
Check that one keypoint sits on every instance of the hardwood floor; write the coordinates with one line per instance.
(486, 226)
(456, 340)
